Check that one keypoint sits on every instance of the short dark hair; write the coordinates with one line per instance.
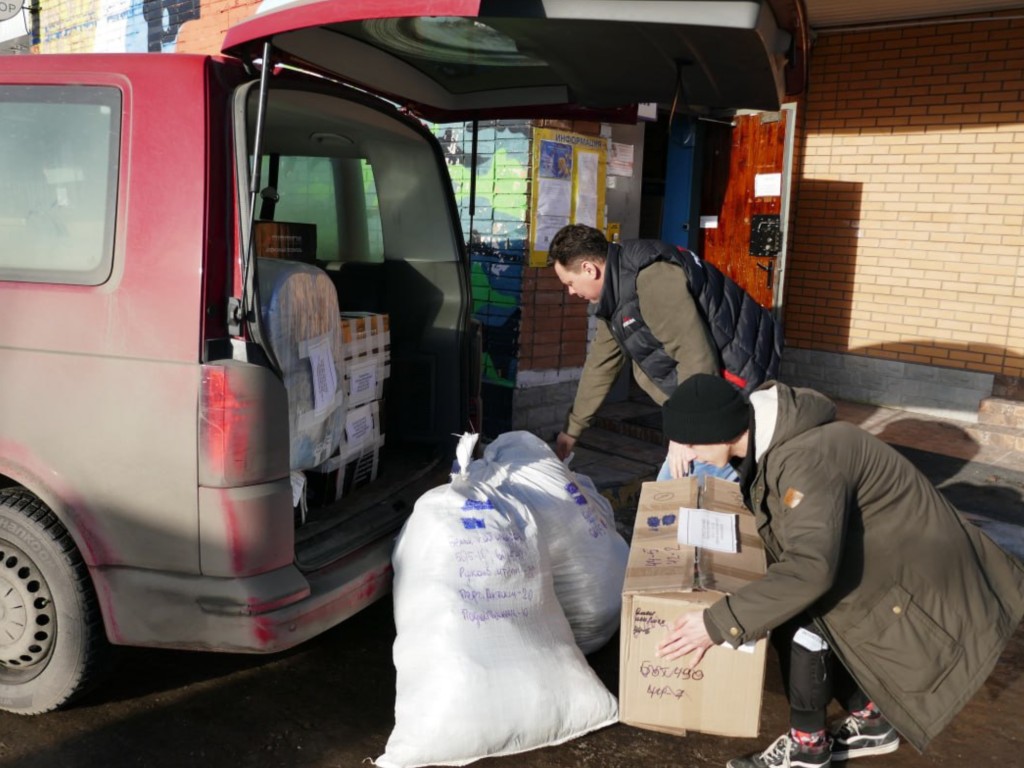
(575, 242)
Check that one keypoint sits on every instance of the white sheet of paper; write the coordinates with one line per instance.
(709, 222)
(768, 185)
(325, 375)
(586, 188)
(554, 197)
(547, 227)
(362, 379)
(621, 161)
(358, 425)
(717, 531)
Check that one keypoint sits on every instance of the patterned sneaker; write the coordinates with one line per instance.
(786, 753)
(858, 737)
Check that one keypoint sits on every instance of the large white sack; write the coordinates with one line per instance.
(485, 658)
(577, 529)
(303, 325)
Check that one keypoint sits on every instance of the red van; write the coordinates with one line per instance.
(235, 321)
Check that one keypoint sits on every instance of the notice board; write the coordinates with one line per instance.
(569, 172)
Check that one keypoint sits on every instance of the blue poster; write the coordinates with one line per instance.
(555, 160)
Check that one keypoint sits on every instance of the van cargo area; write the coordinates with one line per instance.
(352, 193)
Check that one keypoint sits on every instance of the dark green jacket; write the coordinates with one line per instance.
(915, 601)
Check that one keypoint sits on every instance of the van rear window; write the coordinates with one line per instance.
(59, 154)
(339, 197)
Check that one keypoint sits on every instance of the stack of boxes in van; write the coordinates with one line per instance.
(366, 353)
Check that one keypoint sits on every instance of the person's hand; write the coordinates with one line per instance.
(687, 635)
(679, 459)
(564, 445)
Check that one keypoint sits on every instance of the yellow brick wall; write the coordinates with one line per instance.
(908, 228)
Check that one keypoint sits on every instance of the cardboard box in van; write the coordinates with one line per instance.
(665, 579)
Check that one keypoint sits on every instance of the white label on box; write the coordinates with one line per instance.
(325, 375)
(358, 425)
(362, 379)
(717, 531)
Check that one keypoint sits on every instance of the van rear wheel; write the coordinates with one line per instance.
(52, 646)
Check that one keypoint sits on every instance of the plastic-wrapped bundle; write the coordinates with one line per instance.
(577, 529)
(300, 315)
(485, 658)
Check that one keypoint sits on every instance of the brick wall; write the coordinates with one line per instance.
(909, 198)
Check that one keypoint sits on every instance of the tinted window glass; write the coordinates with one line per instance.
(59, 151)
(339, 196)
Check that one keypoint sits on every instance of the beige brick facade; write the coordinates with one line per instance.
(909, 197)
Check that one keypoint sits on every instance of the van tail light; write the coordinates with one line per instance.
(243, 425)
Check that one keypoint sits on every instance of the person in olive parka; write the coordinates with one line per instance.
(868, 565)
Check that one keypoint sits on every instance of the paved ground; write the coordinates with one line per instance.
(330, 703)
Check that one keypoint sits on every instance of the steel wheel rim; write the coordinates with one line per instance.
(28, 617)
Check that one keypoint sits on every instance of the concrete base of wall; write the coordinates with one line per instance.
(542, 399)
(941, 392)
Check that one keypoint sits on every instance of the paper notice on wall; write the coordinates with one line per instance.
(547, 227)
(325, 375)
(768, 185)
(717, 531)
(362, 379)
(358, 425)
(554, 197)
(621, 161)
(586, 188)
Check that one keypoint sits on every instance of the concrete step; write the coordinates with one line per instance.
(1002, 413)
(635, 419)
(997, 436)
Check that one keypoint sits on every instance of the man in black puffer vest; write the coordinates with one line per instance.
(669, 312)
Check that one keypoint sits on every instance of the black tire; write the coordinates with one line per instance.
(52, 644)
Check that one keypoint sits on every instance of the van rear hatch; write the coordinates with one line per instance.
(462, 59)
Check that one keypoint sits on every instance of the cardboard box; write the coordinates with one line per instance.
(665, 579)
(290, 240)
(366, 351)
(357, 460)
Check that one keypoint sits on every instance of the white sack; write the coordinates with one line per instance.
(300, 315)
(577, 529)
(485, 658)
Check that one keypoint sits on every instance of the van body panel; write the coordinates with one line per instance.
(105, 436)
(246, 531)
(259, 614)
(95, 379)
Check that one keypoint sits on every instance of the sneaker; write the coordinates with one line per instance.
(786, 753)
(859, 737)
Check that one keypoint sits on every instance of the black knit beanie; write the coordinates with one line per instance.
(703, 410)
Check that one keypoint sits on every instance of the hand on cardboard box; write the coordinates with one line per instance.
(688, 635)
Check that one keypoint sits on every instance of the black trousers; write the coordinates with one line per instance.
(812, 678)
